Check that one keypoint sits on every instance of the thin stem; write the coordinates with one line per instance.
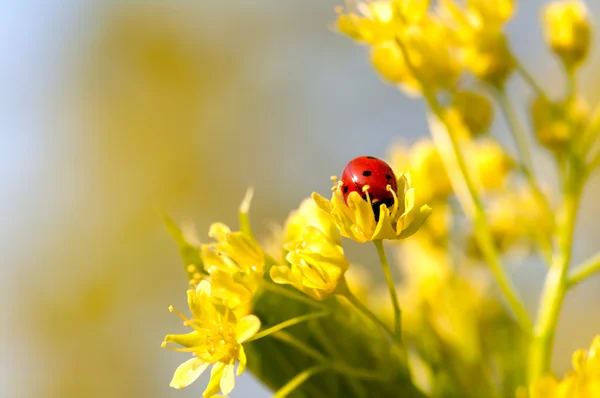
(391, 287)
(517, 131)
(344, 291)
(590, 135)
(288, 323)
(300, 378)
(472, 204)
(282, 291)
(589, 267)
(555, 286)
(469, 196)
(520, 138)
(299, 345)
(529, 79)
(571, 84)
(331, 348)
(366, 374)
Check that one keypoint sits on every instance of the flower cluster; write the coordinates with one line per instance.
(415, 47)
(582, 382)
(220, 301)
(314, 255)
(450, 325)
(216, 340)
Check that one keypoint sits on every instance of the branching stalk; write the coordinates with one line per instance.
(582, 272)
(556, 284)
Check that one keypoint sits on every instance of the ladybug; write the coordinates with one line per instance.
(377, 174)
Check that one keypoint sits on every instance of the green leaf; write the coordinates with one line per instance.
(190, 254)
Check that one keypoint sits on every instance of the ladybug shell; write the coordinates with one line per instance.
(368, 170)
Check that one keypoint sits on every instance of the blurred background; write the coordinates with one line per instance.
(110, 110)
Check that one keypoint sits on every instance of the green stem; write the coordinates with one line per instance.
(342, 368)
(520, 138)
(385, 266)
(473, 206)
(584, 271)
(300, 378)
(556, 284)
(344, 291)
(299, 345)
(331, 348)
(288, 323)
(282, 291)
(590, 136)
(469, 196)
(528, 77)
(517, 131)
(571, 85)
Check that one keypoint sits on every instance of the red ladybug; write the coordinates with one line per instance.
(377, 174)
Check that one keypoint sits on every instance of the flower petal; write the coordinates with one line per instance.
(192, 339)
(247, 327)
(281, 274)
(418, 221)
(322, 203)
(214, 385)
(188, 372)
(228, 379)
(203, 288)
(384, 229)
(242, 359)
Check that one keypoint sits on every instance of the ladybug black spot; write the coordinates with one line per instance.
(388, 176)
(371, 157)
(345, 189)
(367, 173)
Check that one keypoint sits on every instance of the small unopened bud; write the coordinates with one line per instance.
(568, 31)
(556, 124)
(489, 58)
(475, 110)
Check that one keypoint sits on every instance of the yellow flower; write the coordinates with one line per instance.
(555, 122)
(582, 382)
(489, 57)
(438, 298)
(432, 54)
(475, 110)
(356, 220)
(478, 30)
(493, 13)
(516, 217)
(309, 214)
(216, 340)
(568, 31)
(380, 21)
(493, 164)
(388, 60)
(428, 173)
(425, 38)
(316, 264)
(235, 264)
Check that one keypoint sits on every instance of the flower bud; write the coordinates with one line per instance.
(475, 110)
(489, 58)
(554, 123)
(493, 164)
(568, 31)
